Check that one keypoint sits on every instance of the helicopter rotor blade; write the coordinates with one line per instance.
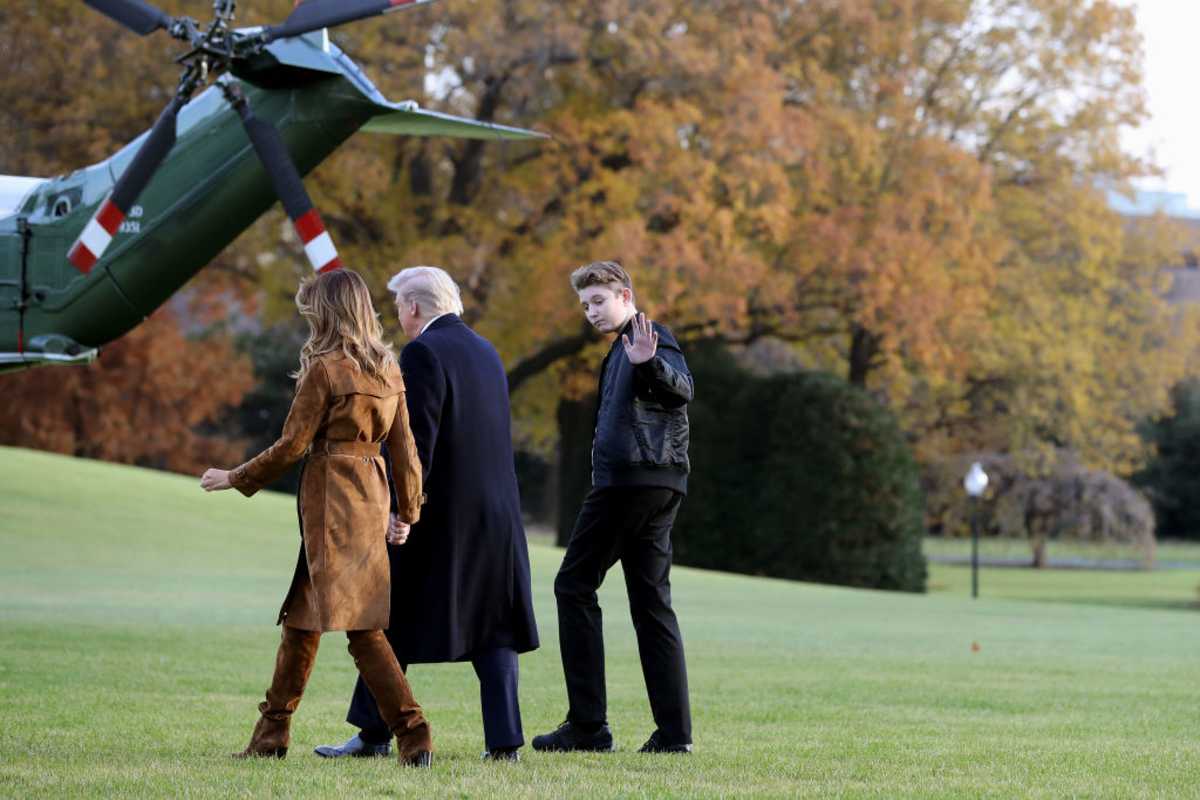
(316, 14)
(140, 17)
(99, 231)
(288, 185)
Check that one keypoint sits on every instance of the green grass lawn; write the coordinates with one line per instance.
(1167, 552)
(136, 638)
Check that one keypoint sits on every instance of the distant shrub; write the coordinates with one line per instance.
(799, 476)
(1172, 477)
(1060, 501)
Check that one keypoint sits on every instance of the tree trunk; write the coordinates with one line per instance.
(864, 345)
(1039, 552)
(533, 364)
(469, 160)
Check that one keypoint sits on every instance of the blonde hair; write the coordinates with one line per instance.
(340, 317)
(431, 288)
(600, 273)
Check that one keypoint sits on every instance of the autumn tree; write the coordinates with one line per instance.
(75, 86)
(651, 162)
(145, 401)
(909, 192)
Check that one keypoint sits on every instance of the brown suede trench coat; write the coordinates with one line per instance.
(338, 418)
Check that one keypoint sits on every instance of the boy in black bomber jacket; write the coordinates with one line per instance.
(639, 477)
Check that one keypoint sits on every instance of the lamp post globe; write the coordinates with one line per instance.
(975, 483)
(976, 480)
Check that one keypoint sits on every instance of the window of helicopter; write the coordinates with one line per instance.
(63, 202)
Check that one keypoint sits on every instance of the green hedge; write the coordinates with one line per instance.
(797, 476)
(1172, 477)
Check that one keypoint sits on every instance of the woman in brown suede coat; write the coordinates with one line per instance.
(349, 400)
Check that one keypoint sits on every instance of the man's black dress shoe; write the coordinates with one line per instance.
(354, 747)
(656, 744)
(569, 737)
(502, 754)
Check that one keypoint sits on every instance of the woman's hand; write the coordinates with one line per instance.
(215, 480)
(397, 532)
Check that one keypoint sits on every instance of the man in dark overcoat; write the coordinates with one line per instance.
(460, 582)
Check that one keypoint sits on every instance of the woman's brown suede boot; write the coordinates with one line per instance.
(377, 664)
(293, 664)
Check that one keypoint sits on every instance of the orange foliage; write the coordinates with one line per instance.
(906, 191)
(144, 401)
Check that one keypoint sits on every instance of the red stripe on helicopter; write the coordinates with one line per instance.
(81, 258)
(110, 217)
(309, 225)
(96, 236)
(317, 245)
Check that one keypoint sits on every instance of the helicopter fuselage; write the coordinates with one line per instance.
(210, 188)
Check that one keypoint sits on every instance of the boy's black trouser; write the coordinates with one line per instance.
(632, 525)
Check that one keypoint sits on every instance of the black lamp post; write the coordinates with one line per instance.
(975, 483)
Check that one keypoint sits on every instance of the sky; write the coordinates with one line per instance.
(1170, 29)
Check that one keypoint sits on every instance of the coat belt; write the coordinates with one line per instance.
(334, 448)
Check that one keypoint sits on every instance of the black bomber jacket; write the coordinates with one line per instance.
(641, 434)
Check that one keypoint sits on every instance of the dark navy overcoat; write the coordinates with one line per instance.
(461, 584)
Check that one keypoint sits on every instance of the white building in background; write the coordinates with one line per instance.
(1143, 204)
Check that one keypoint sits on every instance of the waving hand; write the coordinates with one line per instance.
(644, 343)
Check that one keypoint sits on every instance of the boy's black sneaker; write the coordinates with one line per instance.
(655, 744)
(569, 737)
